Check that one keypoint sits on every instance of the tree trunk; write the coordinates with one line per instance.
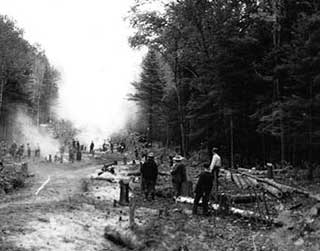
(180, 110)
(124, 192)
(310, 133)
(231, 142)
(2, 83)
(167, 134)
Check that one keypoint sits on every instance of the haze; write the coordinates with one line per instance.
(87, 42)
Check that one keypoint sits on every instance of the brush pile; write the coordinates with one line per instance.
(12, 176)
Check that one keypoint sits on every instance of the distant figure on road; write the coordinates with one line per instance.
(62, 149)
(92, 148)
(37, 151)
(179, 174)
(20, 152)
(111, 147)
(13, 149)
(71, 153)
(203, 190)
(136, 153)
(104, 147)
(149, 173)
(78, 145)
(28, 150)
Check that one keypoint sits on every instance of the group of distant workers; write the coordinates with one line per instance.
(17, 152)
(207, 179)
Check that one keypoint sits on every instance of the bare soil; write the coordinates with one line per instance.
(71, 212)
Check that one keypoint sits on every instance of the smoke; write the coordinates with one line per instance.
(25, 131)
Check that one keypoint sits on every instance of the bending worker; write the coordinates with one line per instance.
(214, 169)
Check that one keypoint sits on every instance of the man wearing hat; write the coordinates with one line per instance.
(214, 169)
(179, 174)
(149, 173)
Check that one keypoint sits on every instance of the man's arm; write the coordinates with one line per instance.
(212, 164)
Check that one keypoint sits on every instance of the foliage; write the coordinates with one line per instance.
(242, 73)
(27, 80)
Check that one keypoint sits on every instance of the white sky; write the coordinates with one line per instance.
(87, 42)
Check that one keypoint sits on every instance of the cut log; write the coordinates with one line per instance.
(244, 198)
(236, 211)
(121, 237)
(279, 190)
(137, 173)
(262, 172)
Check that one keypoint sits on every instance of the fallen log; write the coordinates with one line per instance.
(235, 211)
(244, 181)
(262, 172)
(138, 173)
(122, 237)
(244, 198)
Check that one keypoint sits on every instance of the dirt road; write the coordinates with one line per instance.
(51, 212)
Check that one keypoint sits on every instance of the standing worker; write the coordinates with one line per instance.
(149, 173)
(37, 151)
(62, 149)
(203, 189)
(179, 174)
(92, 148)
(111, 147)
(214, 169)
(13, 149)
(28, 150)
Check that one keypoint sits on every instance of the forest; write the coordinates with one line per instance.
(243, 76)
(29, 83)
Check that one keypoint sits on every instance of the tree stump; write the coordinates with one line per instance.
(270, 170)
(79, 156)
(124, 192)
(186, 189)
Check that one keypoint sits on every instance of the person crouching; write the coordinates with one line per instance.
(149, 173)
(203, 190)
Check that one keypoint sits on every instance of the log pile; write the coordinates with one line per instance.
(243, 180)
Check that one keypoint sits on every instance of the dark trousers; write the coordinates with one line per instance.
(215, 173)
(149, 188)
(205, 200)
(177, 186)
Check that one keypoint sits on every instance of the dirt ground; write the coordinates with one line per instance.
(71, 212)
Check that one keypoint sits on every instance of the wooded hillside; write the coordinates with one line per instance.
(28, 81)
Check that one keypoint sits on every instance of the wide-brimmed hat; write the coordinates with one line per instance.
(150, 155)
(178, 158)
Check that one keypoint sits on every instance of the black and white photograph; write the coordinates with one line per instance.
(160, 125)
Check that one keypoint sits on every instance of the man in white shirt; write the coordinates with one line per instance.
(216, 160)
(214, 169)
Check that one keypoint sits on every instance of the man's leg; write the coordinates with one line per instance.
(215, 184)
(148, 189)
(205, 201)
(175, 188)
(196, 203)
(153, 189)
(179, 189)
